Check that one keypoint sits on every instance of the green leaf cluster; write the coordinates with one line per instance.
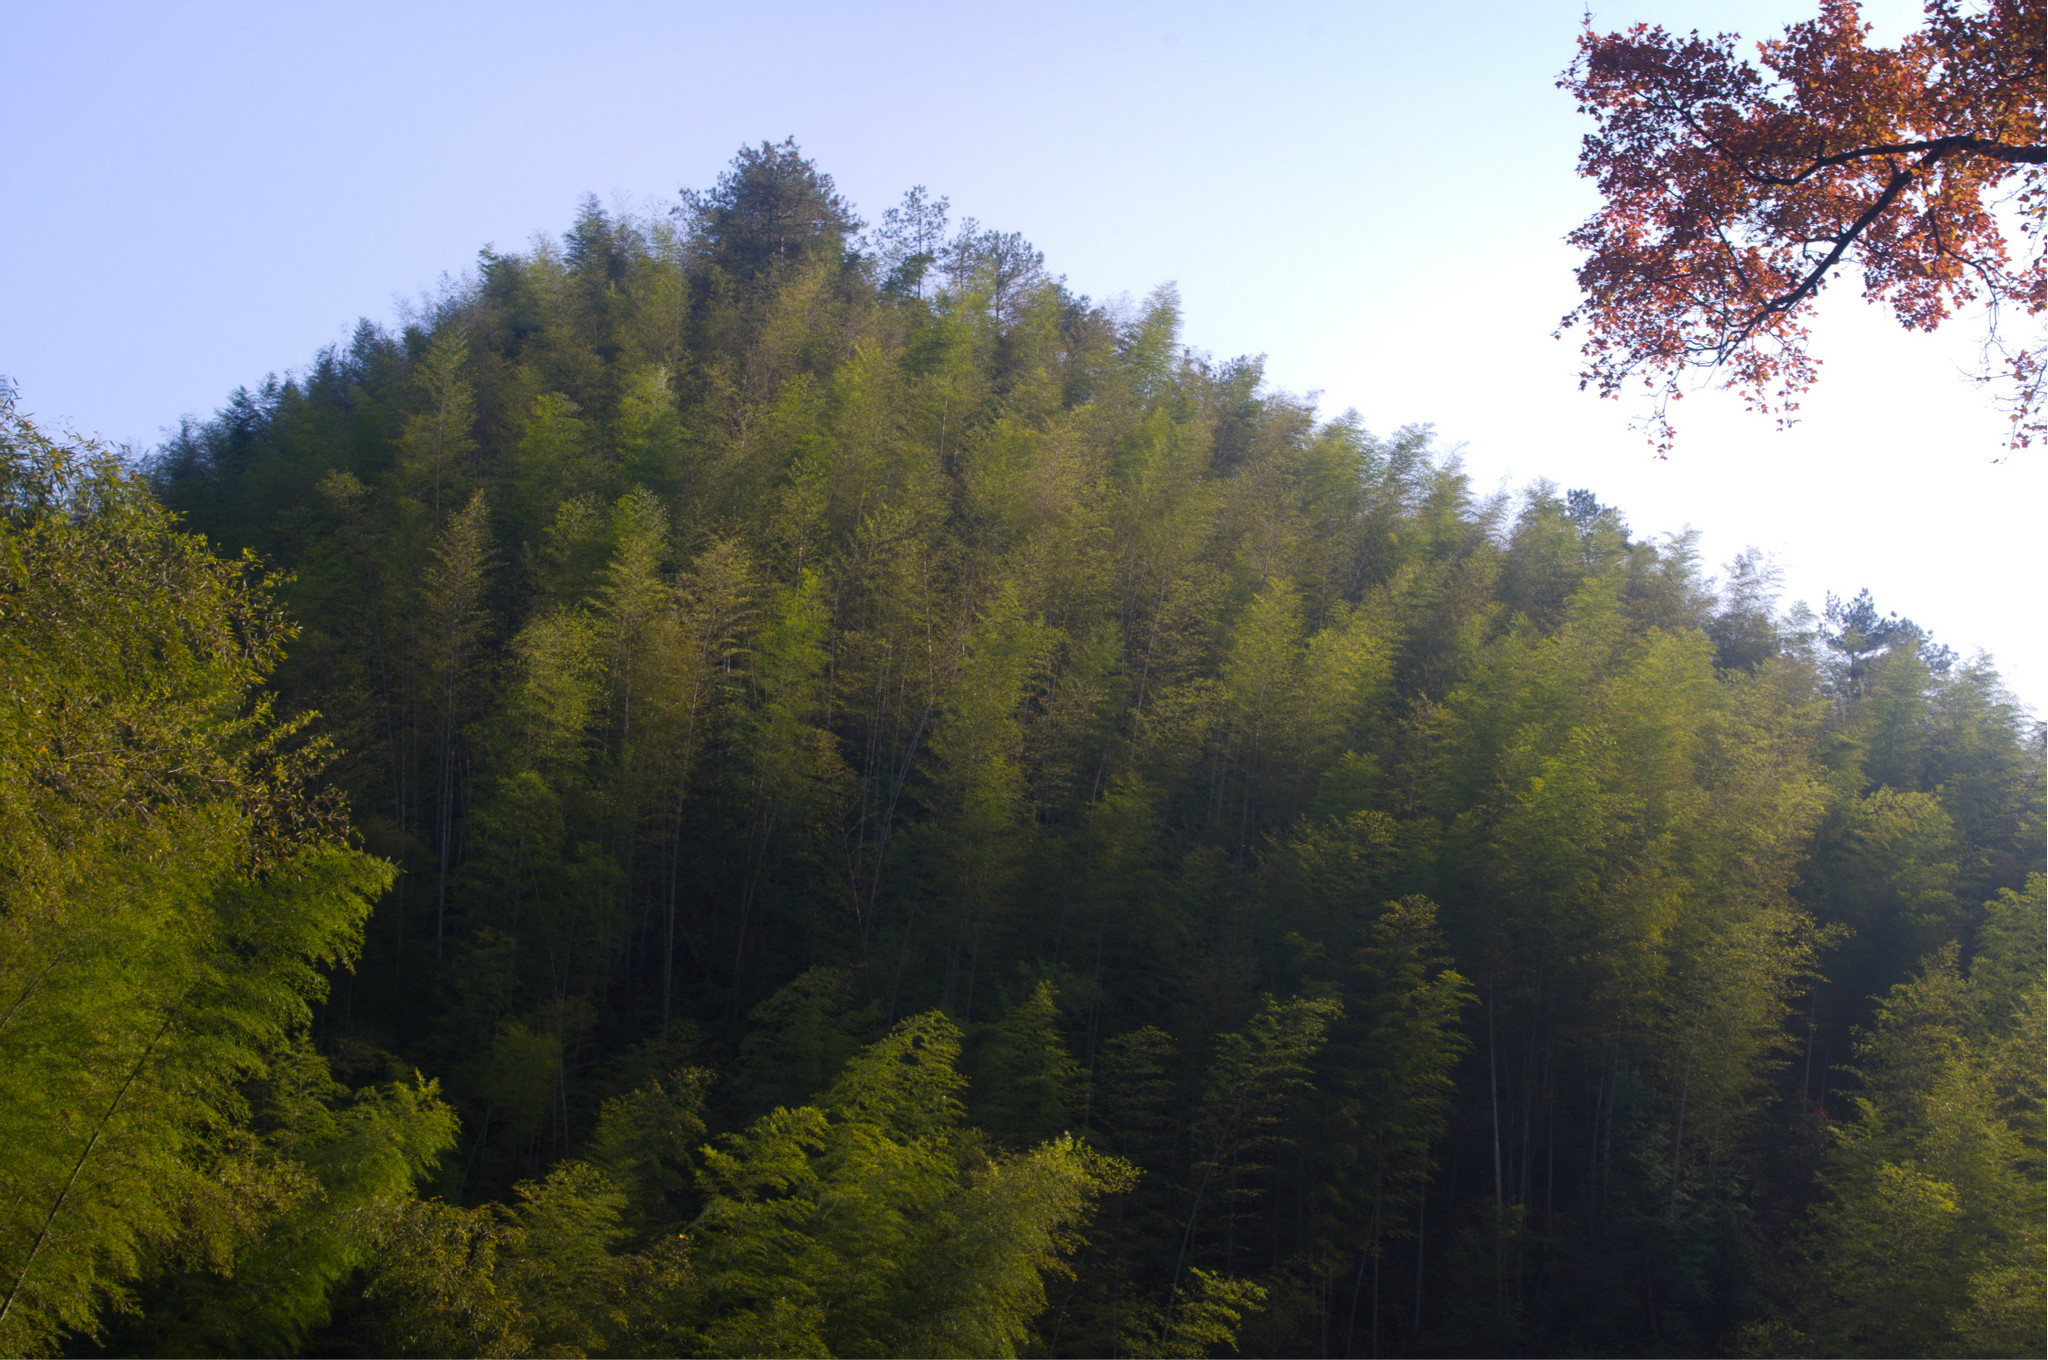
(171, 896)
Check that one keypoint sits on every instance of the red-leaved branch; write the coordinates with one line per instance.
(1733, 194)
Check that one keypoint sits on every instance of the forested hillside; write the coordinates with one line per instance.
(879, 806)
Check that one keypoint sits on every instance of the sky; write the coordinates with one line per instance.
(1372, 195)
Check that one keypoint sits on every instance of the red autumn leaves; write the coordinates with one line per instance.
(1732, 195)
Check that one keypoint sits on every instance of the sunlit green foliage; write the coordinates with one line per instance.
(1930, 1238)
(170, 892)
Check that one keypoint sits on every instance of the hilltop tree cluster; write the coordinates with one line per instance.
(863, 803)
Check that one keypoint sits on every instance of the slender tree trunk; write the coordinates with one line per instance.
(675, 846)
(1376, 1295)
(98, 1131)
(1189, 1234)
(1499, 1191)
(1421, 1223)
(758, 861)
(444, 816)
(1684, 1094)
(1528, 1121)
(475, 1149)
(899, 774)
(902, 956)
(668, 917)
(1549, 1140)
(1094, 1027)
(1806, 1076)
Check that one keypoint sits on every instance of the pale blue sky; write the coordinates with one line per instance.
(1371, 194)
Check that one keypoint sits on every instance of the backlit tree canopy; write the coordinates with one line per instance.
(1732, 195)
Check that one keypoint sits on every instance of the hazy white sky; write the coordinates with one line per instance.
(1370, 194)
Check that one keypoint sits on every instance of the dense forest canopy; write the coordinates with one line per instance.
(878, 806)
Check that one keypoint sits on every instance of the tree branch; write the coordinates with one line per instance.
(1935, 150)
(1785, 302)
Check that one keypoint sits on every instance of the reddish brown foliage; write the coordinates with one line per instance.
(1731, 194)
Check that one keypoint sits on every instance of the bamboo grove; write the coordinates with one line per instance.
(750, 783)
